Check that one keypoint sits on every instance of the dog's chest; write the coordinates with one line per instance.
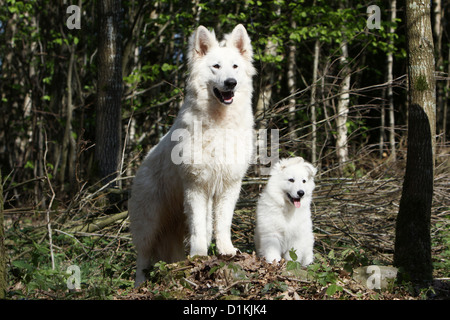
(222, 155)
(218, 158)
(226, 146)
(297, 223)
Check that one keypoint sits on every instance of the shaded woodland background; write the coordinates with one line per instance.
(335, 89)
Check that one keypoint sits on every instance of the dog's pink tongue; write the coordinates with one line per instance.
(297, 203)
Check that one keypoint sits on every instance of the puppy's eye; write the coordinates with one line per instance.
(235, 66)
(216, 66)
(291, 180)
(304, 181)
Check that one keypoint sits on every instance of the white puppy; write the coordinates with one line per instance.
(283, 215)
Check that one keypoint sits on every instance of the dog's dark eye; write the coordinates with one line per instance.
(216, 66)
(304, 181)
(235, 66)
(291, 180)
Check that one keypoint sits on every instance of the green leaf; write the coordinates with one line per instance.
(29, 165)
(293, 255)
(23, 265)
(333, 288)
(166, 67)
(58, 41)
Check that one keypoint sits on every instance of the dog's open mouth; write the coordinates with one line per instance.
(225, 97)
(295, 201)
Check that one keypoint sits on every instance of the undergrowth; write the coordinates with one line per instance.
(354, 226)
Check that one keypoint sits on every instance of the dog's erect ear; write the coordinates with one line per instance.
(203, 41)
(284, 163)
(239, 39)
(311, 169)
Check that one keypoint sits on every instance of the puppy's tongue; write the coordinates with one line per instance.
(297, 203)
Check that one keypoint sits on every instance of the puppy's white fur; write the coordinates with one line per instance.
(283, 215)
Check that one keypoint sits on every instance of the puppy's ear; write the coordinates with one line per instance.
(312, 170)
(279, 166)
(239, 38)
(202, 41)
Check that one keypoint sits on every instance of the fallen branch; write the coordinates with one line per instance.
(99, 223)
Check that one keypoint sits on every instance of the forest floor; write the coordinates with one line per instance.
(354, 226)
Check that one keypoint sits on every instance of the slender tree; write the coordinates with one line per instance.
(390, 78)
(291, 83)
(68, 145)
(313, 102)
(439, 16)
(413, 241)
(2, 246)
(267, 81)
(109, 88)
(343, 107)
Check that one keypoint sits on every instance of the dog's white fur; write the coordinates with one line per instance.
(174, 198)
(283, 218)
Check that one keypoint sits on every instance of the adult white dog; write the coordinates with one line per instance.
(283, 215)
(189, 183)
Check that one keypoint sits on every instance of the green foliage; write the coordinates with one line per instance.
(293, 264)
(323, 271)
(33, 276)
(353, 258)
(156, 68)
(274, 287)
(442, 240)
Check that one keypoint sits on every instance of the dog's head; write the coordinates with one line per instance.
(294, 177)
(223, 68)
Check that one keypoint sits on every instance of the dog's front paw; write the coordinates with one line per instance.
(198, 252)
(198, 249)
(227, 249)
(231, 251)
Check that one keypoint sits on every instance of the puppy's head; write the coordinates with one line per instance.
(294, 177)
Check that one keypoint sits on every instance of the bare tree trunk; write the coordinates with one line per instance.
(266, 82)
(413, 241)
(291, 85)
(137, 19)
(313, 103)
(447, 97)
(109, 89)
(382, 124)
(68, 145)
(265, 93)
(3, 283)
(438, 21)
(342, 108)
(390, 94)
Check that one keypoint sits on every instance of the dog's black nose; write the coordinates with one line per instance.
(301, 193)
(230, 83)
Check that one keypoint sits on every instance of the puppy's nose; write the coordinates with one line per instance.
(301, 193)
(230, 83)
